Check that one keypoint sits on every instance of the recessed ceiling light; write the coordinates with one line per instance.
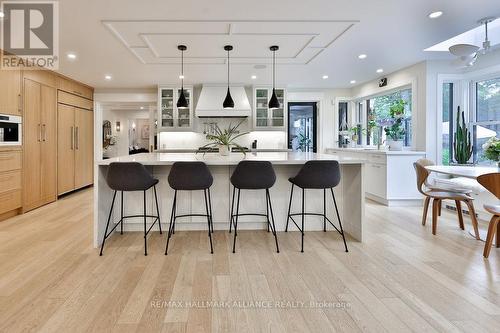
(353, 81)
(254, 77)
(325, 77)
(181, 77)
(107, 77)
(71, 56)
(2, 14)
(142, 107)
(362, 56)
(434, 15)
(380, 70)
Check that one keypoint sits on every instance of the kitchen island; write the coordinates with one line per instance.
(349, 193)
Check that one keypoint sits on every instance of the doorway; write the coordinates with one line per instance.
(302, 119)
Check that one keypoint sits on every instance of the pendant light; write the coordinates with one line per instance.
(274, 103)
(228, 101)
(182, 102)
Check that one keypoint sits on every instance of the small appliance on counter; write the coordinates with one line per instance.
(10, 130)
(254, 144)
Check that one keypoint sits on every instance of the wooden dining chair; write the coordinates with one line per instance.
(438, 195)
(491, 182)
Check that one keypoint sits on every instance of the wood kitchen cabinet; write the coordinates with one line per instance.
(10, 92)
(40, 144)
(75, 148)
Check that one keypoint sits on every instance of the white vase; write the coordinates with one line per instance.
(223, 150)
(395, 145)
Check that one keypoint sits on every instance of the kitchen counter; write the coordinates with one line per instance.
(390, 177)
(349, 193)
(194, 150)
(375, 151)
(291, 158)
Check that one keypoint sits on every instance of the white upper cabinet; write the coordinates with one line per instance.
(265, 118)
(171, 118)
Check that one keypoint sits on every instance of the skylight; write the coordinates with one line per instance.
(474, 36)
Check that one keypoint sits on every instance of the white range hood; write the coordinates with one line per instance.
(210, 102)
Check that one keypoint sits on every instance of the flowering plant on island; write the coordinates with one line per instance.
(491, 149)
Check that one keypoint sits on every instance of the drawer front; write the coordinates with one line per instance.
(10, 160)
(10, 180)
(70, 99)
(378, 158)
(376, 177)
(74, 88)
(9, 201)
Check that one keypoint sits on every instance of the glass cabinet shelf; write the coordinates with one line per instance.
(265, 118)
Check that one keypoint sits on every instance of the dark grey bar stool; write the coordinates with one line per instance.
(190, 176)
(253, 175)
(316, 175)
(129, 177)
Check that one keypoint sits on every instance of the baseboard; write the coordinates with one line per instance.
(9, 214)
(395, 202)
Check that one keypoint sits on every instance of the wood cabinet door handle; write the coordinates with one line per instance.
(20, 103)
(44, 132)
(72, 137)
(77, 139)
(39, 133)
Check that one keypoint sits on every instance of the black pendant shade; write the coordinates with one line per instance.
(274, 103)
(228, 101)
(182, 102)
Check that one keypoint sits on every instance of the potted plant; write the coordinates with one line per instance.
(492, 150)
(224, 139)
(394, 131)
(462, 145)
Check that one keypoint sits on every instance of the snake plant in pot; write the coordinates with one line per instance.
(224, 139)
(462, 145)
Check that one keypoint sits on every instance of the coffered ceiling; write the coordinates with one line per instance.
(155, 42)
(135, 42)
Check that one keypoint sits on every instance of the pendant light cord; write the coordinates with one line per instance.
(182, 70)
(228, 69)
(274, 69)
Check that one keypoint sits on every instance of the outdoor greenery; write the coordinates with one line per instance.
(395, 130)
(492, 149)
(225, 137)
(462, 144)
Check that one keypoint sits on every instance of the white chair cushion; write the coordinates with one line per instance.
(459, 182)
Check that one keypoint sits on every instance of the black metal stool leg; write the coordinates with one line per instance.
(324, 210)
(121, 210)
(232, 211)
(236, 221)
(340, 222)
(210, 210)
(157, 209)
(107, 224)
(208, 221)
(145, 227)
(172, 218)
(267, 211)
(273, 226)
(289, 208)
(303, 216)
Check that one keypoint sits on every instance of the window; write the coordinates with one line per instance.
(377, 112)
(487, 116)
(447, 123)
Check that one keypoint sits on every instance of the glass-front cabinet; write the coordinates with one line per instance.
(171, 118)
(265, 118)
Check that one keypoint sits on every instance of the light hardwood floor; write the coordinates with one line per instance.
(401, 279)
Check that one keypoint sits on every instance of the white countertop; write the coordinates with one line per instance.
(283, 158)
(472, 171)
(376, 151)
